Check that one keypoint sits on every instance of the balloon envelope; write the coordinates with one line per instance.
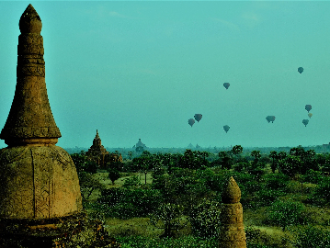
(191, 122)
(308, 107)
(198, 117)
(226, 128)
(305, 122)
(270, 118)
(226, 85)
(310, 115)
(300, 70)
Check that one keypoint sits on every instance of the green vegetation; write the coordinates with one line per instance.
(173, 200)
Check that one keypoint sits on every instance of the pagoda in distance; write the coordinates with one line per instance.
(40, 198)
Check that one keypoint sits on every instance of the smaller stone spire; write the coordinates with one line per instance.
(232, 233)
(231, 193)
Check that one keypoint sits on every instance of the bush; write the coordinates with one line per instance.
(114, 175)
(132, 182)
(205, 219)
(291, 165)
(137, 202)
(257, 238)
(311, 237)
(90, 167)
(241, 166)
(323, 190)
(276, 181)
(286, 213)
(256, 170)
(267, 196)
(313, 176)
(168, 217)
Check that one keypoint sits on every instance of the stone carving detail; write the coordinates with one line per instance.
(232, 233)
(38, 183)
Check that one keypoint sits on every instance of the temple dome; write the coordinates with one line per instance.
(38, 183)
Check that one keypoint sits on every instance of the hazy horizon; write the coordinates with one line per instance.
(141, 69)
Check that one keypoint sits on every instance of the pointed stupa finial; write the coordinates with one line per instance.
(30, 21)
(30, 120)
(231, 192)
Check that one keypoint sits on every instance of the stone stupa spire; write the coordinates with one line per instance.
(30, 120)
(232, 233)
(40, 196)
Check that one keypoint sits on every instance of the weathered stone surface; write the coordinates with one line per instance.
(38, 182)
(30, 117)
(231, 233)
(30, 21)
(231, 193)
(40, 198)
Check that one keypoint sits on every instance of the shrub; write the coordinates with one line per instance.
(90, 167)
(168, 217)
(257, 238)
(132, 182)
(286, 213)
(240, 166)
(138, 202)
(313, 176)
(114, 175)
(290, 165)
(205, 219)
(267, 196)
(276, 181)
(323, 189)
(256, 169)
(310, 236)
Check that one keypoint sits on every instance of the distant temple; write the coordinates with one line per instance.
(97, 152)
(140, 147)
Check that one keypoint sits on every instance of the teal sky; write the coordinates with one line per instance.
(141, 69)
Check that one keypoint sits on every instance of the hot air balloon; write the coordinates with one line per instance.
(226, 85)
(305, 122)
(310, 115)
(198, 117)
(308, 107)
(300, 70)
(191, 122)
(226, 128)
(270, 118)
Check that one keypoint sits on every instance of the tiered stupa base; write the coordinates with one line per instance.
(69, 232)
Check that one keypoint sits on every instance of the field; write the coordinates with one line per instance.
(253, 219)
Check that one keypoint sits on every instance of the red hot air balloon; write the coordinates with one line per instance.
(226, 85)
(308, 107)
(198, 117)
(305, 122)
(300, 70)
(226, 128)
(270, 118)
(191, 122)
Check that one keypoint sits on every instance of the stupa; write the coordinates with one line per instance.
(232, 233)
(40, 198)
